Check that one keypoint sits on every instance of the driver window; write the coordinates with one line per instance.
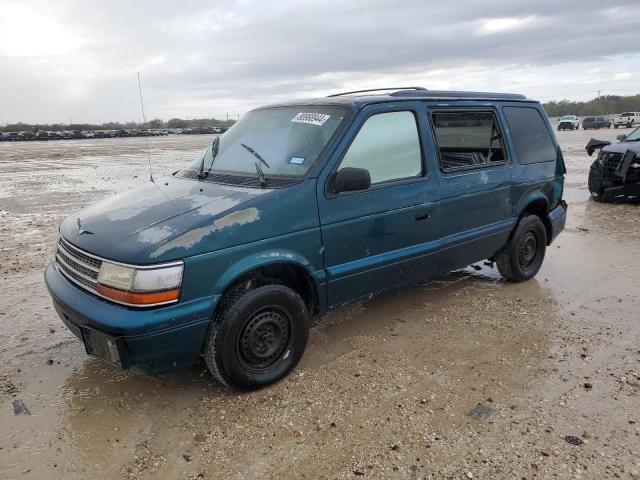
(388, 146)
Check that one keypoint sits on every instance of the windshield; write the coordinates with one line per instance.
(568, 117)
(633, 136)
(284, 141)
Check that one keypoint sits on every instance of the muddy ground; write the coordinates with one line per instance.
(385, 387)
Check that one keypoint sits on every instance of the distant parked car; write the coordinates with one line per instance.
(596, 123)
(25, 136)
(626, 120)
(568, 122)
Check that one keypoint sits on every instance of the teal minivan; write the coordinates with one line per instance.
(302, 207)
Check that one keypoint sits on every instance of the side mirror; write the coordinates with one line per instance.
(350, 179)
(621, 138)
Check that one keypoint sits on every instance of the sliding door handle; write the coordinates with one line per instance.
(422, 215)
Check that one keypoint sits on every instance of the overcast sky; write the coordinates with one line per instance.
(63, 59)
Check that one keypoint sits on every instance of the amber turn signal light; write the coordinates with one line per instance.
(138, 298)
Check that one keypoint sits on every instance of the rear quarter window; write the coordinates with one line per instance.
(530, 135)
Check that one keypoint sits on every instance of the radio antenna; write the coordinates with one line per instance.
(144, 121)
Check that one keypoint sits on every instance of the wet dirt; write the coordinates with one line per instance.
(386, 386)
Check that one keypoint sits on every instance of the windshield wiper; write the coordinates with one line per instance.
(214, 152)
(260, 173)
(255, 154)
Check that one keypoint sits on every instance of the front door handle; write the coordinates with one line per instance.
(422, 215)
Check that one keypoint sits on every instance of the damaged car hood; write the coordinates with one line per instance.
(132, 227)
(622, 147)
(177, 218)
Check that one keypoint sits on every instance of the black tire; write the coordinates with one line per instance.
(596, 187)
(522, 256)
(258, 336)
(615, 126)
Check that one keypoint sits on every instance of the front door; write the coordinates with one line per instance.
(385, 235)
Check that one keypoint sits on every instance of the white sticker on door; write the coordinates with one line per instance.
(311, 118)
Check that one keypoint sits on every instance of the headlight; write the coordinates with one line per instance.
(138, 285)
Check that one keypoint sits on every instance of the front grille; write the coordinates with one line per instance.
(78, 266)
(611, 163)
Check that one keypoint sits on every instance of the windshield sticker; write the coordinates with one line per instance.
(296, 160)
(311, 118)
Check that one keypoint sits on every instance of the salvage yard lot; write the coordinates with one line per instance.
(385, 387)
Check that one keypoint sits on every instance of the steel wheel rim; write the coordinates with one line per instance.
(528, 251)
(264, 339)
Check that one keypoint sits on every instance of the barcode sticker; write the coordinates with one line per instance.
(311, 118)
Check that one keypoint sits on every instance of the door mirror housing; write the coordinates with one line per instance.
(351, 179)
(621, 138)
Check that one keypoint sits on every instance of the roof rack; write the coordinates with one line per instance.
(376, 90)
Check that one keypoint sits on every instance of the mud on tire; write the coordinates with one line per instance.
(257, 337)
(522, 256)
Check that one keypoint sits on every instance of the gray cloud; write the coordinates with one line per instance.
(78, 59)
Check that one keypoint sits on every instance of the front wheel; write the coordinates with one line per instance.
(595, 183)
(522, 256)
(258, 336)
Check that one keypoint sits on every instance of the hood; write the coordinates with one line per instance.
(124, 226)
(176, 218)
(622, 147)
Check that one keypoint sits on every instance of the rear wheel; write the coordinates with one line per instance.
(258, 336)
(522, 256)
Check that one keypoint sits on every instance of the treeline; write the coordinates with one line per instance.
(604, 105)
(155, 123)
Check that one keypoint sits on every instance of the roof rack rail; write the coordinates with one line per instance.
(376, 90)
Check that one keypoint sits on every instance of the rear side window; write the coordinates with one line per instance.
(387, 146)
(468, 139)
(530, 135)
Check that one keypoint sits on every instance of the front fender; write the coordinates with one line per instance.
(262, 259)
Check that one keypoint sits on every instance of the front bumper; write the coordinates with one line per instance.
(147, 340)
(557, 218)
